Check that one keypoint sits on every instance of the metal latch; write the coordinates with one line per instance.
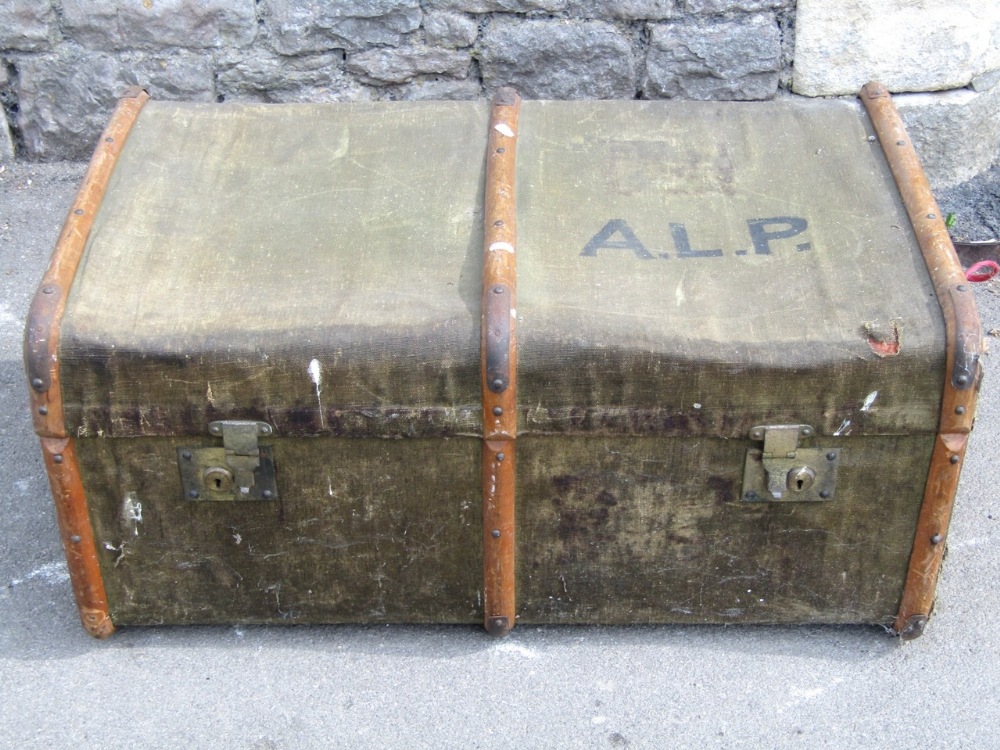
(785, 472)
(241, 469)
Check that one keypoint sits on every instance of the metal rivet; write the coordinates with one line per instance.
(497, 411)
(501, 456)
(498, 384)
(215, 430)
(48, 289)
(831, 456)
(807, 431)
(186, 455)
(961, 379)
(755, 435)
(900, 143)
(193, 493)
(43, 410)
(961, 287)
(266, 494)
(960, 410)
(937, 539)
(501, 150)
(75, 539)
(498, 223)
(751, 495)
(36, 383)
(58, 458)
(931, 216)
(265, 429)
(871, 139)
(824, 494)
(954, 459)
(498, 290)
(109, 139)
(495, 533)
(78, 211)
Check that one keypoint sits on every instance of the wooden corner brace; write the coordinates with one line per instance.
(964, 344)
(499, 364)
(41, 361)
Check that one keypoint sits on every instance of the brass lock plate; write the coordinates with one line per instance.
(793, 471)
(783, 472)
(206, 475)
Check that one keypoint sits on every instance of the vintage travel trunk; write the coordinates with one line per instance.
(284, 354)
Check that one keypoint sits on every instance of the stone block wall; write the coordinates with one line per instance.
(948, 49)
(64, 62)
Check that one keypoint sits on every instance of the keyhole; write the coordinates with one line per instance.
(800, 479)
(218, 479)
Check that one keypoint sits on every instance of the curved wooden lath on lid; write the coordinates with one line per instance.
(964, 344)
(41, 360)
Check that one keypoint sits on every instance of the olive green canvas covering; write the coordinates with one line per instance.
(686, 271)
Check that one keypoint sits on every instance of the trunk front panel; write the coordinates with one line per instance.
(362, 531)
(632, 530)
(610, 530)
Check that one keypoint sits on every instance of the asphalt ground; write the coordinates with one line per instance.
(433, 687)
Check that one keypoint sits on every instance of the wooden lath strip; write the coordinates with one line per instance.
(499, 365)
(964, 345)
(41, 359)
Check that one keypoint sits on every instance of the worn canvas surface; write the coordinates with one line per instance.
(612, 530)
(621, 530)
(239, 243)
(657, 293)
(362, 531)
(686, 271)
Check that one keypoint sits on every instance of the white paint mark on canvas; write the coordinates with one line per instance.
(316, 375)
(132, 511)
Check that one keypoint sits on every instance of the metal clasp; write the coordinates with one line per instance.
(785, 472)
(239, 439)
(241, 469)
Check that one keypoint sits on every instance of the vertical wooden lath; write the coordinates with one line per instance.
(499, 364)
(77, 535)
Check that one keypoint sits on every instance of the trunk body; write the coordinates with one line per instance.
(697, 284)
